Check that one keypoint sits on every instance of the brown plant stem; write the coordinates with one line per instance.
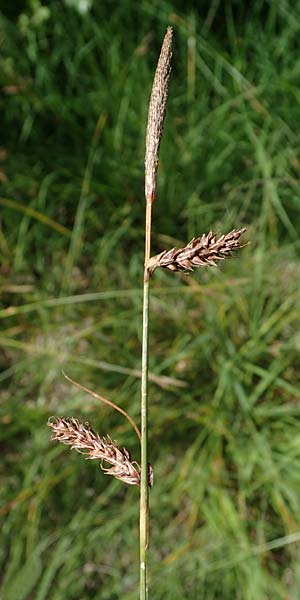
(105, 401)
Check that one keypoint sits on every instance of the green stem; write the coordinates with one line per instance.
(144, 499)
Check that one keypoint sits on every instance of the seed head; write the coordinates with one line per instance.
(82, 438)
(200, 252)
(156, 115)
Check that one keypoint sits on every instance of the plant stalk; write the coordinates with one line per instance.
(156, 115)
(144, 497)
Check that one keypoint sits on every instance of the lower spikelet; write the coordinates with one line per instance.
(200, 252)
(82, 438)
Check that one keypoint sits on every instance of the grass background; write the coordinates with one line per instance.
(225, 434)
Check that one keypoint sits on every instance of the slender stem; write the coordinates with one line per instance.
(105, 401)
(144, 499)
(156, 115)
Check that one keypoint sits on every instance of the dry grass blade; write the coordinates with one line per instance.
(200, 252)
(82, 438)
(105, 401)
(156, 115)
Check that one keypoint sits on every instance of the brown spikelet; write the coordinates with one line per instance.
(156, 115)
(200, 252)
(82, 438)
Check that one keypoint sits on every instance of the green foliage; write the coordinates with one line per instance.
(75, 80)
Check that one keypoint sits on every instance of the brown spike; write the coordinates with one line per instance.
(199, 252)
(82, 438)
(156, 115)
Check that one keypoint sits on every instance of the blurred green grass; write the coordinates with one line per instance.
(226, 446)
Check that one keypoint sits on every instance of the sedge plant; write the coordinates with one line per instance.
(202, 251)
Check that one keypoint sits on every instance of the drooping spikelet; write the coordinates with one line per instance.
(82, 438)
(156, 115)
(200, 252)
